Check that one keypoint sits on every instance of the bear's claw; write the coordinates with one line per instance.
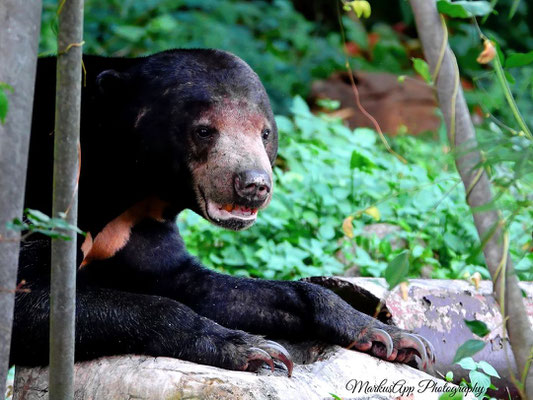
(268, 352)
(379, 335)
(396, 346)
(409, 340)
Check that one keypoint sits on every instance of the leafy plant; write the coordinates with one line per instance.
(285, 49)
(479, 375)
(325, 173)
(35, 221)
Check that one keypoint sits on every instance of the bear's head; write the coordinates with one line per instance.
(205, 133)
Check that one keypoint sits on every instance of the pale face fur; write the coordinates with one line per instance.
(237, 144)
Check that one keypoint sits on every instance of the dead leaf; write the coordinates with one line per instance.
(488, 53)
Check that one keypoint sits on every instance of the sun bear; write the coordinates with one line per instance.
(181, 129)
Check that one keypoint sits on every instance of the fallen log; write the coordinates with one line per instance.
(342, 372)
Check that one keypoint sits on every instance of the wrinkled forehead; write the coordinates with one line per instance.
(235, 115)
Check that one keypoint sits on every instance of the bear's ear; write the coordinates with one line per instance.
(110, 80)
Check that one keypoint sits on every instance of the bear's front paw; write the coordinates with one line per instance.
(395, 345)
(249, 352)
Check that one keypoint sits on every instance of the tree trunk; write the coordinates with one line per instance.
(67, 128)
(431, 33)
(20, 24)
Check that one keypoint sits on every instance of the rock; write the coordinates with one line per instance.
(393, 104)
(436, 309)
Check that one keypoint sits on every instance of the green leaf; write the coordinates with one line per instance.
(451, 396)
(464, 9)
(326, 232)
(360, 161)
(479, 379)
(397, 269)
(422, 68)
(468, 349)
(489, 369)
(4, 102)
(513, 9)
(300, 107)
(477, 327)
(4, 106)
(468, 363)
(449, 376)
(328, 104)
(36, 215)
(335, 396)
(519, 59)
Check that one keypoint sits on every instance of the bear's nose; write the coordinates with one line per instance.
(252, 185)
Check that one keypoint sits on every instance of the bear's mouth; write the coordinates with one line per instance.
(227, 211)
(229, 216)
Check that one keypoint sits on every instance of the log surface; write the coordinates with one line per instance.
(149, 378)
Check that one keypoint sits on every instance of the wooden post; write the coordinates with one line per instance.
(67, 128)
(20, 24)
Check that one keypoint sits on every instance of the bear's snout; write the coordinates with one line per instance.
(252, 186)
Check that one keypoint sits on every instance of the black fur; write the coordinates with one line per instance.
(152, 297)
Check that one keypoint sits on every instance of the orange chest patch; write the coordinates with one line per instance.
(116, 233)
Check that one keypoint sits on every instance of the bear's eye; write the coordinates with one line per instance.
(204, 132)
(265, 133)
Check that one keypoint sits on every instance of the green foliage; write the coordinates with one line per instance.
(478, 328)
(468, 349)
(464, 9)
(519, 59)
(328, 104)
(285, 49)
(36, 221)
(4, 103)
(397, 269)
(422, 68)
(451, 396)
(449, 376)
(480, 374)
(319, 182)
